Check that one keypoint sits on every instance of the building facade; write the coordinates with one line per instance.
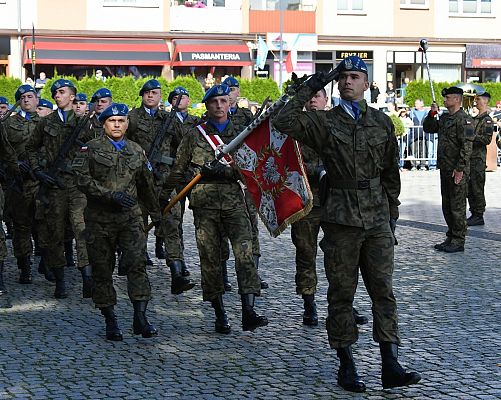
(173, 37)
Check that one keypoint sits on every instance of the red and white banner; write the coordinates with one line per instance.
(273, 170)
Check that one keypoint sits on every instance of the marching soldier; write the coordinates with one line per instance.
(359, 151)
(80, 105)
(44, 108)
(100, 100)
(114, 173)
(218, 210)
(61, 196)
(241, 118)
(145, 123)
(304, 233)
(484, 129)
(182, 124)
(19, 128)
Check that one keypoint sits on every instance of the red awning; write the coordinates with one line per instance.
(210, 53)
(97, 51)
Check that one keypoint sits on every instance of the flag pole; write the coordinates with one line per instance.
(280, 79)
(33, 53)
(224, 150)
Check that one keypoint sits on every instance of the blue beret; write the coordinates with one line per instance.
(61, 83)
(24, 89)
(176, 92)
(352, 63)
(150, 85)
(4, 100)
(45, 103)
(100, 93)
(81, 97)
(215, 91)
(231, 82)
(452, 90)
(115, 109)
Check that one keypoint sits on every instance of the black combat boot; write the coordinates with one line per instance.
(159, 248)
(60, 292)
(359, 319)
(179, 283)
(141, 326)
(441, 246)
(310, 316)
(113, 331)
(87, 281)
(68, 253)
(347, 376)
(24, 265)
(222, 325)
(475, 219)
(226, 281)
(148, 259)
(264, 285)
(42, 267)
(3, 289)
(251, 320)
(184, 269)
(392, 373)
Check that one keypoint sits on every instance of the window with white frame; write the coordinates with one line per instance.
(415, 4)
(132, 3)
(350, 5)
(470, 7)
(303, 5)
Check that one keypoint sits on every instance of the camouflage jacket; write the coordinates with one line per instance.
(19, 131)
(183, 127)
(93, 129)
(50, 134)
(194, 150)
(241, 118)
(313, 164)
(7, 153)
(102, 170)
(143, 129)
(484, 129)
(360, 157)
(455, 139)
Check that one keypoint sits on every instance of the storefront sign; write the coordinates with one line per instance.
(486, 63)
(363, 54)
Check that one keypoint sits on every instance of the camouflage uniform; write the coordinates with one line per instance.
(483, 136)
(19, 130)
(361, 160)
(455, 140)
(142, 130)
(51, 133)
(218, 209)
(102, 170)
(305, 232)
(94, 129)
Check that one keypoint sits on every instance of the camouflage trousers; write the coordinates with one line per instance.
(103, 236)
(476, 185)
(3, 245)
(454, 206)
(23, 218)
(64, 204)
(254, 219)
(210, 226)
(304, 235)
(346, 249)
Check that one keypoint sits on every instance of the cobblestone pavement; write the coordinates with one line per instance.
(449, 309)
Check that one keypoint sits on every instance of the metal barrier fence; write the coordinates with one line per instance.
(418, 150)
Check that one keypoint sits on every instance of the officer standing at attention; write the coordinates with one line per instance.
(114, 173)
(145, 122)
(44, 108)
(218, 209)
(182, 124)
(19, 128)
(484, 129)
(359, 150)
(304, 233)
(241, 118)
(80, 105)
(455, 141)
(63, 198)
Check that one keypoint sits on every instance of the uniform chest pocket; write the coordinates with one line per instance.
(133, 163)
(144, 126)
(52, 130)
(17, 133)
(202, 152)
(377, 147)
(343, 136)
(104, 160)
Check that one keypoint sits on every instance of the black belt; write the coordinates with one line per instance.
(360, 185)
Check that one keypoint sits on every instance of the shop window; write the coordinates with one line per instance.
(470, 7)
(414, 4)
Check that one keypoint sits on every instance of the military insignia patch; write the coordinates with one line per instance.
(114, 110)
(348, 64)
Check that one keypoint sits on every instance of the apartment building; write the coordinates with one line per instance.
(172, 37)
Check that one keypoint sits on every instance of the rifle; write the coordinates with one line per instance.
(226, 149)
(154, 153)
(56, 167)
